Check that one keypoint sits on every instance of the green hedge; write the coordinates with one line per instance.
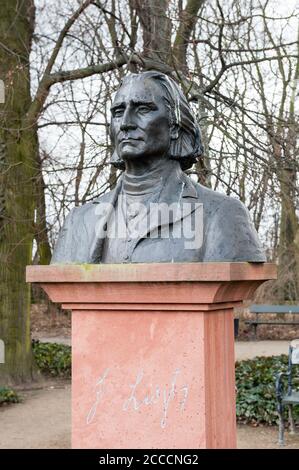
(7, 395)
(52, 358)
(255, 382)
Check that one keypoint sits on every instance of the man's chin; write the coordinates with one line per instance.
(130, 156)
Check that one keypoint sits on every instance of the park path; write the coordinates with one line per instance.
(243, 349)
(251, 349)
(43, 419)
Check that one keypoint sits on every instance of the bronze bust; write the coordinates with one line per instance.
(156, 213)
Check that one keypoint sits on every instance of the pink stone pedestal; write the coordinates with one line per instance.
(152, 350)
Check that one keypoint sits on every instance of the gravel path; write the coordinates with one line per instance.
(251, 349)
(243, 349)
(43, 419)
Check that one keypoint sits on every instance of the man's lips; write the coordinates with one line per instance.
(130, 138)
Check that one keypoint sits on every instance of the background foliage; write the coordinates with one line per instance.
(255, 382)
(7, 395)
(53, 359)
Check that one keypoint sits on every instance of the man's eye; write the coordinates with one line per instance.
(118, 112)
(144, 109)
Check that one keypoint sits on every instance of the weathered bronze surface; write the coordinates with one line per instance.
(156, 213)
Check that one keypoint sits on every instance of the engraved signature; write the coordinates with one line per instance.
(156, 395)
(166, 395)
(99, 393)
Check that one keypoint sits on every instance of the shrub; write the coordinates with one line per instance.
(255, 382)
(52, 358)
(7, 395)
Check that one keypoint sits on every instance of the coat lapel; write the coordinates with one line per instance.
(103, 212)
(177, 191)
(179, 195)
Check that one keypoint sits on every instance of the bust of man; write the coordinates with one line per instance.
(156, 213)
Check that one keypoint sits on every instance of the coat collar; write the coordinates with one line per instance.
(177, 190)
(179, 194)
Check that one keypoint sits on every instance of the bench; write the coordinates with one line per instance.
(260, 309)
(287, 394)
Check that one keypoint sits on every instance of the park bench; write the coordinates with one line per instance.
(288, 396)
(260, 309)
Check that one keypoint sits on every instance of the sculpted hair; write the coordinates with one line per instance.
(186, 146)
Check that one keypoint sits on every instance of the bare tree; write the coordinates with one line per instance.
(55, 145)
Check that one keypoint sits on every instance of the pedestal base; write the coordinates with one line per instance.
(152, 351)
(153, 379)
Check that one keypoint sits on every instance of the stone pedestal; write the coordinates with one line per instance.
(152, 350)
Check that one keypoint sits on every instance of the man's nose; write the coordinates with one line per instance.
(128, 122)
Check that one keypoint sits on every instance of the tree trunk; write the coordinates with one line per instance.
(156, 28)
(188, 20)
(41, 230)
(18, 173)
(289, 226)
(289, 237)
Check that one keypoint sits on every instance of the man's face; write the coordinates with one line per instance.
(140, 120)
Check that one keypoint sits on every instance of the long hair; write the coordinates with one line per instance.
(186, 146)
